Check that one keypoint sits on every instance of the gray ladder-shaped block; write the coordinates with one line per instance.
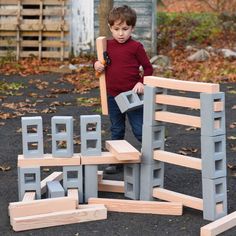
(212, 122)
(29, 180)
(73, 178)
(151, 176)
(214, 198)
(62, 136)
(132, 181)
(55, 189)
(128, 101)
(150, 105)
(213, 152)
(32, 136)
(90, 182)
(153, 138)
(90, 134)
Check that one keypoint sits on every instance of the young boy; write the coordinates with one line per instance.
(123, 74)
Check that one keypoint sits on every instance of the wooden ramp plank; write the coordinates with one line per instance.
(56, 175)
(113, 186)
(59, 218)
(43, 206)
(104, 158)
(188, 201)
(74, 193)
(122, 150)
(29, 196)
(219, 226)
(177, 159)
(135, 206)
(190, 86)
(176, 118)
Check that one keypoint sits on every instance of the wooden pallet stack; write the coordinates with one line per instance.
(34, 28)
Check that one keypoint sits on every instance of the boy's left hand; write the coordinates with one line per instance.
(138, 88)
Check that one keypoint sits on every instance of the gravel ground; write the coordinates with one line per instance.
(179, 179)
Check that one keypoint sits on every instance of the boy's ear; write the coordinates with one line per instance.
(109, 26)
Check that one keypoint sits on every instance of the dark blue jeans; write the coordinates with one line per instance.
(117, 119)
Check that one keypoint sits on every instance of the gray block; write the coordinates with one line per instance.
(150, 105)
(32, 136)
(29, 180)
(73, 178)
(62, 136)
(153, 138)
(213, 152)
(214, 198)
(90, 135)
(151, 176)
(90, 182)
(55, 189)
(128, 101)
(132, 181)
(212, 123)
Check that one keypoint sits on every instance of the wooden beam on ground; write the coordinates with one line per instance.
(145, 207)
(188, 201)
(219, 226)
(113, 186)
(59, 218)
(43, 206)
(101, 44)
(73, 193)
(57, 175)
(177, 159)
(29, 196)
(122, 150)
(105, 158)
(193, 103)
(49, 160)
(190, 86)
(176, 118)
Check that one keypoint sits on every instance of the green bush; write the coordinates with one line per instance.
(187, 27)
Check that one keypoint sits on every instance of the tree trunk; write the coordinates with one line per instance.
(104, 7)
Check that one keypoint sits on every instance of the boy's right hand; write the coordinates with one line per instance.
(99, 67)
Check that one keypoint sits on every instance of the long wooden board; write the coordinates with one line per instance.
(101, 44)
(145, 207)
(57, 175)
(113, 186)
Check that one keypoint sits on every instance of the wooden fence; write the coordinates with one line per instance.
(34, 28)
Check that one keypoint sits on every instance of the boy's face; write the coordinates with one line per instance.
(121, 31)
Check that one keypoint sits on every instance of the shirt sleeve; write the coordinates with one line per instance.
(144, 62)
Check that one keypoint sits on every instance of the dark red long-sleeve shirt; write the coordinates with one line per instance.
(123, 72)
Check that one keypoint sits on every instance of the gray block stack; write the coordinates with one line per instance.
(55, 189)
(152, 171)
(90, 134)
(213, 151)
(62, 136)
(128, 101)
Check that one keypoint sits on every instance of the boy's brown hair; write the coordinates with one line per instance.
(123, 14)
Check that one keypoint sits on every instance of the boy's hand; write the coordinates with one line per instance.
(138, 88)
(99, 67)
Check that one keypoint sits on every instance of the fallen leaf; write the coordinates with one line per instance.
(231, 138)
(5, 167)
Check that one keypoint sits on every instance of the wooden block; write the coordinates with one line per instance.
(59, 218)
(113, 186)
(49, 160)
(100, 175)
(145, 207)
(177, 159)
(193, 103)
(74, 193)
(167, 195)
(191, 86)
(29, 196)
(43, 206)
(105, 158)
(122, 150)
(219, 226)
(101, 44)
(176, 118)
(57, 175)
